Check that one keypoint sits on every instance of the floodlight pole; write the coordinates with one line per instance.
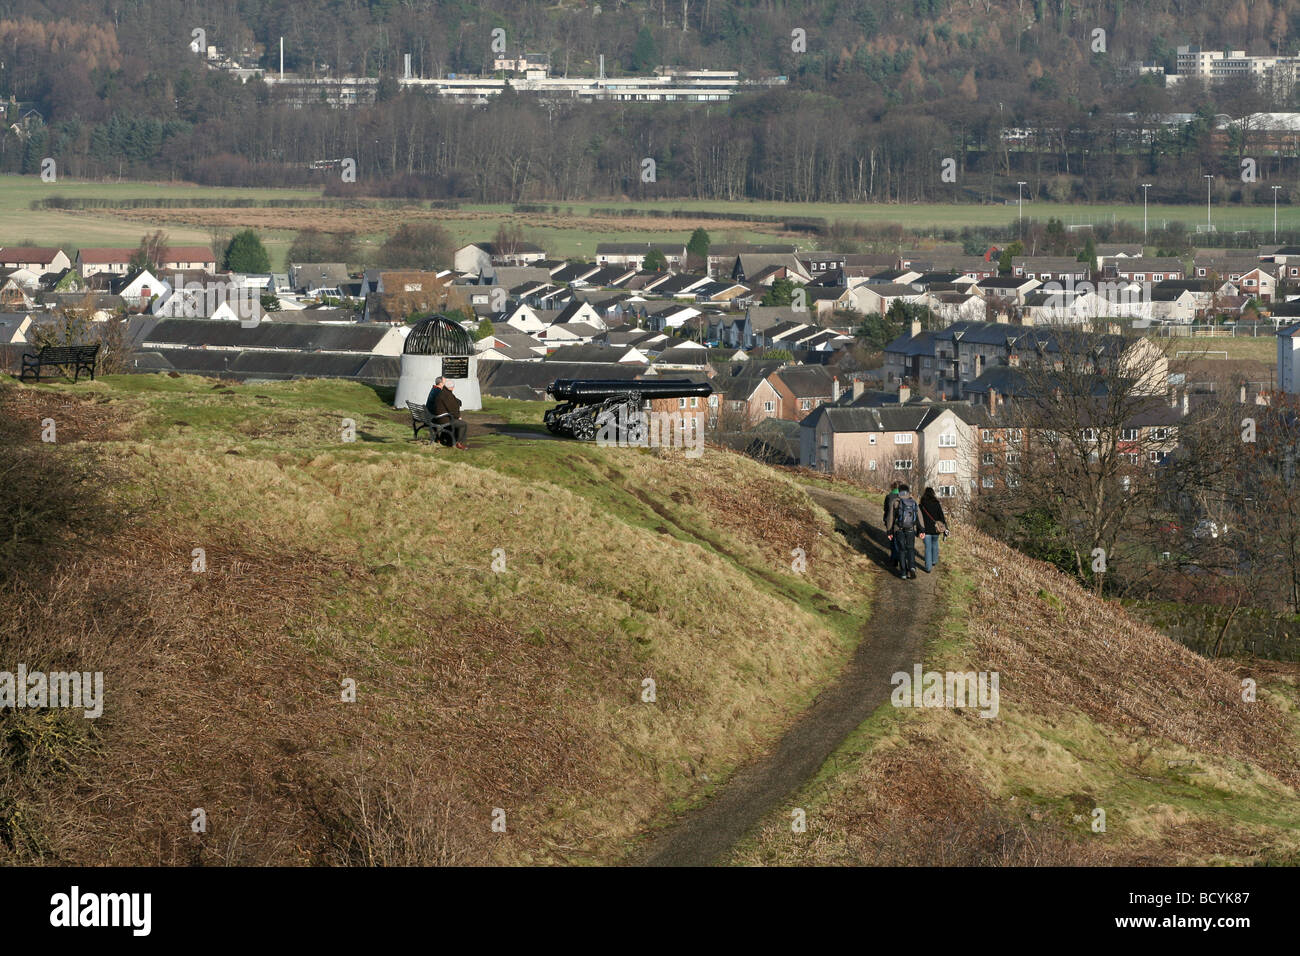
(1145, 187)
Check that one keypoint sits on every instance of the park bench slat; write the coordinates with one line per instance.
(81, 358)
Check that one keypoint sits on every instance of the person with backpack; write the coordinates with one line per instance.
(903, 530)
(891, 499)
(933, 523)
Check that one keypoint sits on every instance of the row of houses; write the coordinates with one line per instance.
(44, 260)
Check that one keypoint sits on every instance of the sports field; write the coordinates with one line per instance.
(566, 230)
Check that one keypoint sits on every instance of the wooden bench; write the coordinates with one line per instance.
(80, 358)
(440, 432)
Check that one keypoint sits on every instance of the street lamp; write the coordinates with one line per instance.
(1020, 203)
(1275, 189)
(1209, 227)
(1145, 187)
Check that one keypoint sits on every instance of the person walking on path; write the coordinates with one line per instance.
(903, 529)
(934, 524)
(891, 499)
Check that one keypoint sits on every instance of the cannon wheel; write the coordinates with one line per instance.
(584, 429)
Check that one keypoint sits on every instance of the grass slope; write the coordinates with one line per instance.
(1097, 711)
(519, 689)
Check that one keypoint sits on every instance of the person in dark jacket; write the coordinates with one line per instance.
(446, 408)
(935, 524)
(891, 499)
(904, 527)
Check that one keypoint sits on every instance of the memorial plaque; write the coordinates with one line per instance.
(455, 367)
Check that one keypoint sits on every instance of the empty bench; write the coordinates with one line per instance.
(421, 417)
(79, 358)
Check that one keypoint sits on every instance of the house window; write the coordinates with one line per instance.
(695, 403)
(988, 481)
(986, 435)
(925, 363)
(1133, 458)
(1013, 458)
(871, 439)
(989, 458)
(1153, 456)
(902, 464)
(1049, 436)
(871, 465)
(1014, 435)
(767, 406)
(947, 491)
(948, 441)
(805, 404)
(1130, 434)
(948, 467)
(1159, 277)
(903, 438)
(1013, 481)
(1160, 434)
(1090, 434)
(713, 401)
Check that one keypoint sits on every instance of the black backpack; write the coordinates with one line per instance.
(905, 515)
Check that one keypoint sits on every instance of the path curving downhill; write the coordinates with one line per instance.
(891, 641)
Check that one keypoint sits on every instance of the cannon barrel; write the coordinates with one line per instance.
(592, 390)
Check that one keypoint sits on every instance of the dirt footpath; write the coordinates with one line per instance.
(891, 641)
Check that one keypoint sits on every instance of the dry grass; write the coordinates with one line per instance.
(1096, 711)
(476, 690)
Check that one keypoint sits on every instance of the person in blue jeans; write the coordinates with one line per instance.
(935, 524)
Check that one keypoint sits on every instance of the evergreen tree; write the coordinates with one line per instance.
(246, 253)
(645, 55)
(699, 243)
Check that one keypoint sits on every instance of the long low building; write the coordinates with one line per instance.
(365, 338)
(269, 350)
(270, 366)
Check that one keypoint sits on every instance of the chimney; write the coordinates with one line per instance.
(916, 327)
(904, 392)
(1173, 398)
(993, 401)
(835, 389)
(1243, 393)
(859, 386)
(1185, 401)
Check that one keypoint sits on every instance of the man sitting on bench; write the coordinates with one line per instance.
(446, 409)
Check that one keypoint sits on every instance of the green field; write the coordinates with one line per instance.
(20, 224)
(566, 229)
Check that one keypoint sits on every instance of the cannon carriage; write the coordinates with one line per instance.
(588, 407)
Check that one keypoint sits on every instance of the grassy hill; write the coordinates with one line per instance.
(1096, 711)
(521, 688)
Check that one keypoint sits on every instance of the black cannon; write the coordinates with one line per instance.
(588, 406)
